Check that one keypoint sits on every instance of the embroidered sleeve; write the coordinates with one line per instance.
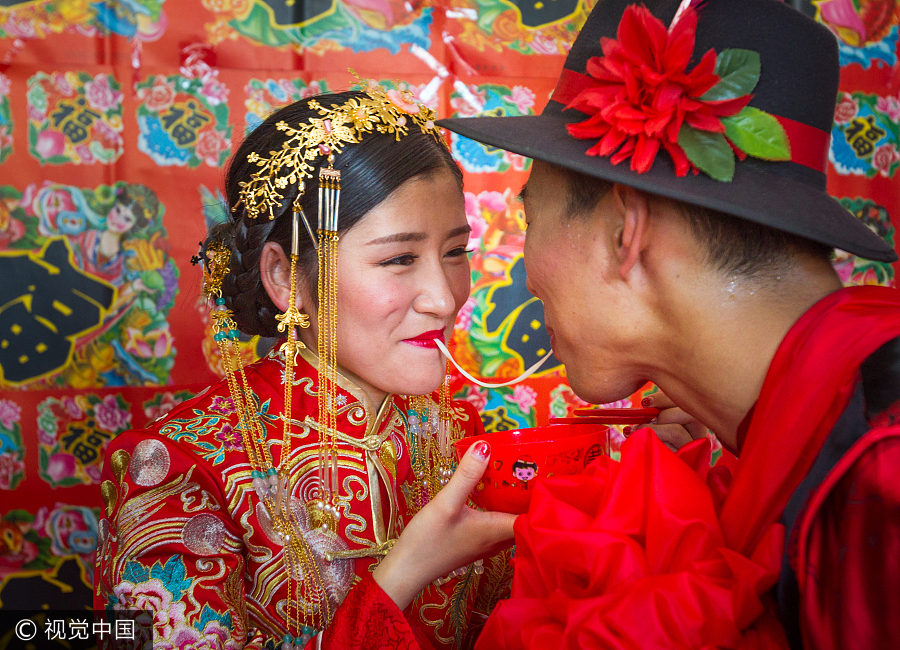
(367, 620)
(167, 545)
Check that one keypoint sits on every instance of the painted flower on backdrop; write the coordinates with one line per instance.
(162, 403)
(100, 95)
(464, 317)
(475, 209)
(10, 413)
(523, 98)
(210, 144)
(641, 98)
(110, 416)
(71, 529)
(846, 108)
(60, 466)
(884, 158)
(890, 106)
(63, 82)
(468, 105)
(478, 397)
(214, 90)
(11, 468)
(158, 96)
(71, 408)
(524, 396)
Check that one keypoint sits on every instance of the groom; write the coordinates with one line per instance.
(679, 231)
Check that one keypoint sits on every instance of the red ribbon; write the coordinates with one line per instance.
(809, 145)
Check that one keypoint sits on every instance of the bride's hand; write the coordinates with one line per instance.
(445, 534)
(673, 426)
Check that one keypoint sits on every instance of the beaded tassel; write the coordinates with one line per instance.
(329, 205)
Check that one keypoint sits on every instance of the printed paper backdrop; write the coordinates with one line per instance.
(116, 121)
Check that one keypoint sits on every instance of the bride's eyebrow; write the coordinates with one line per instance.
(400, 237)
(462, 230)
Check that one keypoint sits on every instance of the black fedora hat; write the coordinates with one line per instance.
(741, 91)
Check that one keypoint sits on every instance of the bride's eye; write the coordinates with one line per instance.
(400, 260)
(459, 251)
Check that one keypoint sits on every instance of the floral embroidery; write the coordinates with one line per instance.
(160, 589)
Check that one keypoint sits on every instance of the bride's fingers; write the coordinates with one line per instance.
(674, 436)
(658, 400)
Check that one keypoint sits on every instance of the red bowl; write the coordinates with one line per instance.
(520, 455)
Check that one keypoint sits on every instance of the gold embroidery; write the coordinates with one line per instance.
(110, 495)
(118, 461)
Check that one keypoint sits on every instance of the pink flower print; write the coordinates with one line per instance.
(471, 203)
(10, 467)
(523, 98)
(478, 227)
(230, 438)
(468, 105)
(10, 414)
(517, 162)
(846, 109)
(4, 84)
(524, 396)
(884, 158)
(17, 27)
(49, 144)
(100, 95)
(152, 596)
(545, 45)
(60, 466)
(222, 405)
(71, 407)
(166, 403)
(63, 85)
(493, 201)
(84, 154)
(210, 144)
(314, 88)
(36, 114)
(477, 396)
(890, 106)
(214, 90)
(93, 472)
(464, 317)
(159, 96)
(110, 416)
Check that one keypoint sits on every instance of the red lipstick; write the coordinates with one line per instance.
(426, 339)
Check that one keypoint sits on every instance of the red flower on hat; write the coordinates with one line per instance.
(643, 98)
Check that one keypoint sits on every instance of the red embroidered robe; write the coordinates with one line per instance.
(185, 535)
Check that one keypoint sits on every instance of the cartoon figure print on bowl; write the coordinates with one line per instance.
(565, 446)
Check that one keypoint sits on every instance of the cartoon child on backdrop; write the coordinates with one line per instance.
(102, 252)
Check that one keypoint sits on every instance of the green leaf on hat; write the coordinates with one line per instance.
(738, 72)
(758, 134)
(710, 152)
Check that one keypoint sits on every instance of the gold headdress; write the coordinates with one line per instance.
(308, 145)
